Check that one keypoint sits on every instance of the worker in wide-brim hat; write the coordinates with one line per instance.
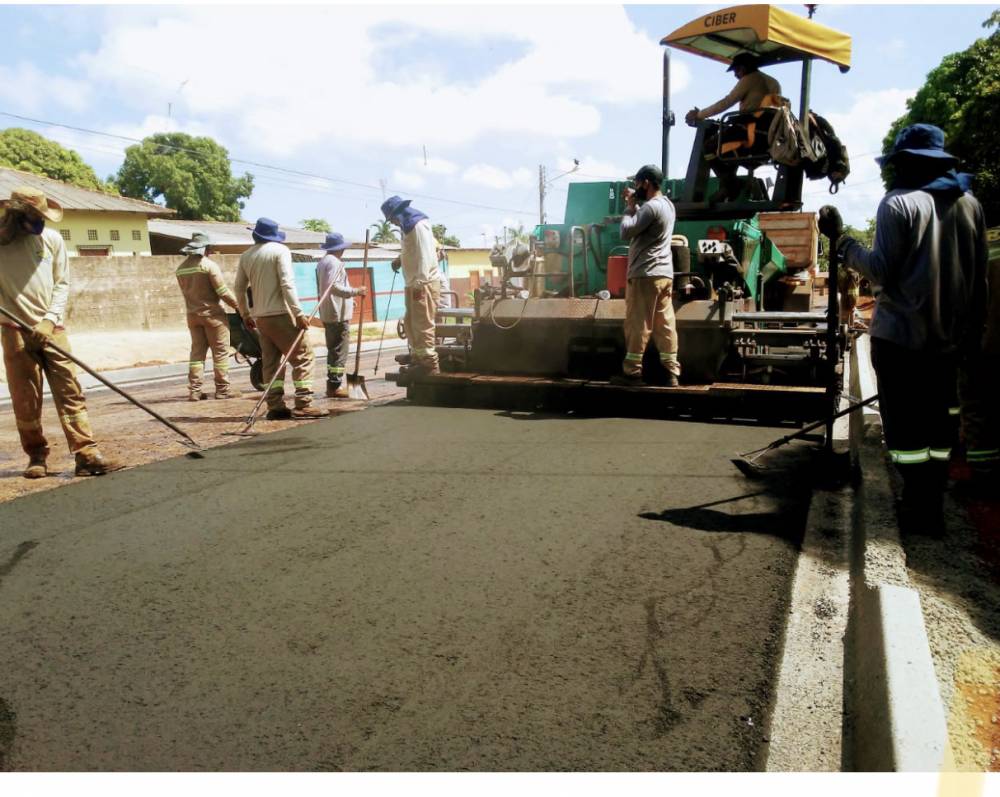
(34, 288)
(928, 266)
(203, 287)
(422, 281)
(266, 270)
(336, 311)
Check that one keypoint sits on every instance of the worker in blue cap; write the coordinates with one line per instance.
(419, 264)
(928, 267)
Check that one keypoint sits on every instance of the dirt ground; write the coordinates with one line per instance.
(133, 437)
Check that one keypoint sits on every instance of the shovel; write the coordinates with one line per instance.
(356, 388)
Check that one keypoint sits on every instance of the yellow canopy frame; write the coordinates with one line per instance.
(772, 33)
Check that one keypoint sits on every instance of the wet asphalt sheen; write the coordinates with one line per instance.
(404, 588)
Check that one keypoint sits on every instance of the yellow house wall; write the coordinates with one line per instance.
(78, 222)
(462, 261)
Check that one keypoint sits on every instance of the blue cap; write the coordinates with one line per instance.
(335, 242)
(926, 141)
(267, 229)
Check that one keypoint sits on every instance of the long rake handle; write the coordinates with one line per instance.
(392, 290)
(813, 426)
(361, 312)
(24, 327)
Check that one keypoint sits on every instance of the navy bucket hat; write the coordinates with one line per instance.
(393, 205)
(926, 141)
(267, 229)
(335, 242)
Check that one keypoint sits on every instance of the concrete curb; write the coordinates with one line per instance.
(894, 715)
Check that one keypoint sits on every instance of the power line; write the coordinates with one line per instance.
(259, 165)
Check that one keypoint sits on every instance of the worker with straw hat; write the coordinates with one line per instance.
(34, 288)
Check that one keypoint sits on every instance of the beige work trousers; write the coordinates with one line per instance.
(421, 310)
(650, 310)
(277, 335)
(209, 332)
(25, 362)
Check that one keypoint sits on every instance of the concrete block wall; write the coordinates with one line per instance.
(129, 293)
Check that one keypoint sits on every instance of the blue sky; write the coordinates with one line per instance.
(360, 93)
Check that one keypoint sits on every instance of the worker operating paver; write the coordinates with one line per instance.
(418, 260)
(336, 311)
(34, 287)
(928, 261)
(756, 92)
(649, 308)
(203, 287)
(266, 269)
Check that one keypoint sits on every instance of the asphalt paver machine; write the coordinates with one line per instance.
(752, 341)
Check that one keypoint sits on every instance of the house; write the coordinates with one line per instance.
(94, 223)
(388, 299)
(228, 237)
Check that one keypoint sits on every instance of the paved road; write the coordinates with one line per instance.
(404, 588)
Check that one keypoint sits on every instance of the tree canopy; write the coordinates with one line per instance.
(384, 234)
(31, 152)
(962, 97)
(191, 174)
(442, 237)
(316, 225)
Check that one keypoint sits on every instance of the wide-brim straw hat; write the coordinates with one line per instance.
(25, 198)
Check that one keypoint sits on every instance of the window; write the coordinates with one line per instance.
(115, 236)
(64, 234)
(91, 235)
(136, 235)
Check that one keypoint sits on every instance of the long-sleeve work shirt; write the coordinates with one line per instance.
(648, 233)
(34, 278)
(339, 305)
(266, 269)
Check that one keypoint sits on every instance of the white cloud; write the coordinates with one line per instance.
(27, 89)
(488, 176)
(861, 127)
(552, 84)
(435, 166)
(407, 180)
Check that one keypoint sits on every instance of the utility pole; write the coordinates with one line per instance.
(541, 194)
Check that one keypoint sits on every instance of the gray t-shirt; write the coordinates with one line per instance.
(648, 232)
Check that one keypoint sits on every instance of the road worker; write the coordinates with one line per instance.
(649, 308)
(203, 287)
(979, 387)
(266, 269)
(753, 90)
(928, 265)
(418, 261)
(34, 287)
(336, 312)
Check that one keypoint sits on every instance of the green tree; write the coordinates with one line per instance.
(517, 233)
(191, 174)
(384, 233)
(442, 237)
(962, 97)
(316, 225)
(28, 151)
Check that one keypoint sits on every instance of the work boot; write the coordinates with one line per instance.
(333, 390)
(309, 412)
(921, 506)
(228, 394)
(404, 359)
(626, 380)
(37, 469)
(94, 463)
(423, 369)
(278, 414)
(197, 395)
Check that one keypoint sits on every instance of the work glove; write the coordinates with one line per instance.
(301, 322)
(362, 291)
(42, 331)
(396, 264)
(691, 117)
(830, 223)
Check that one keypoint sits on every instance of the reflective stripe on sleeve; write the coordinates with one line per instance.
(910, 457)
(940, 454)
(983, 454)
(954, 411)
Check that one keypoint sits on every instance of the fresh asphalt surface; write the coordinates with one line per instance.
(404, 588)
